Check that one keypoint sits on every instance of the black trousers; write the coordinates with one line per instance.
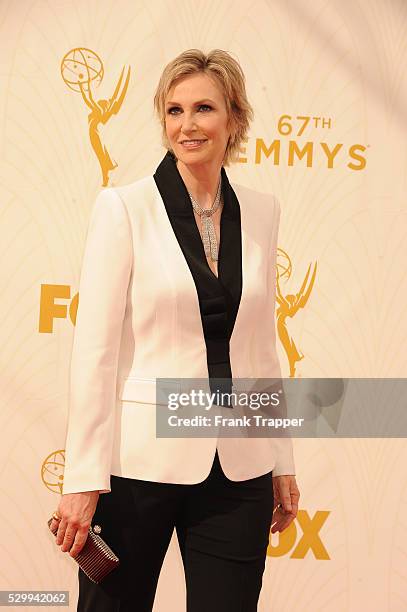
(223, 532)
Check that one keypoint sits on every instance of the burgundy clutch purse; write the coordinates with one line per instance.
(96, 559)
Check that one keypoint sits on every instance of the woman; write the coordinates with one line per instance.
(169, 291)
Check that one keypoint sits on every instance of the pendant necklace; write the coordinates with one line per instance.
(208, 235)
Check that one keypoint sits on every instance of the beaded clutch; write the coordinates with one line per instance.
(96, 559)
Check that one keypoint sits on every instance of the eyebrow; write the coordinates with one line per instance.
(196, 103)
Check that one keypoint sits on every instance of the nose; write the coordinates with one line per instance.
(188, 123)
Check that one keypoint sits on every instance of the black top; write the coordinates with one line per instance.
(219, 297)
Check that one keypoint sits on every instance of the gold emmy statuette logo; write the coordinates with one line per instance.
(81, 68)
(52, 471)
(289, 305)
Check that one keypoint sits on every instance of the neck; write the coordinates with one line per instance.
(201, 180)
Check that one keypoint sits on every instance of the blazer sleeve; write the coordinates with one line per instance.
(285, 455)
(104, 280)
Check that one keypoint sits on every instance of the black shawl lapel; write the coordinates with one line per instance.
(219, 298)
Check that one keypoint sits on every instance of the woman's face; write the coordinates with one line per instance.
(196, 120)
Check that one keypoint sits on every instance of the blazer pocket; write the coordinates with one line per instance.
(147, 390)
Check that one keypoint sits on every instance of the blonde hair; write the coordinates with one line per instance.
(228, 74)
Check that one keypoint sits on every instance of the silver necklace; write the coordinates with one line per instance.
(208, 234)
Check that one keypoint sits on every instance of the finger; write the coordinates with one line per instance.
(282, 524)
(295, 496)
(280, 527)
(69, 538)
(61, 531)
(286, 500)
(279, 512)
(79, 543)
(284, 495)
(288, 520)
(278, 517)
(281, 519)
(284, 520)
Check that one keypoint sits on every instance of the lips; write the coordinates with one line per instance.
(189, 145)
(196, 140)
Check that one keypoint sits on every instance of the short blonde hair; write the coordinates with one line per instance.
(229, 75)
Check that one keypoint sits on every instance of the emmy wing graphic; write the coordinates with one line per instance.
(81, 68)
(289, 305)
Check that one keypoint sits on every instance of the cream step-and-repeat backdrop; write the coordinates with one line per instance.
(327, 82)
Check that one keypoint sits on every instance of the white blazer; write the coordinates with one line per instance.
(139, 319)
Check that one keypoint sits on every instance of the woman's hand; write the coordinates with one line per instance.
(286, 493)
(76, 510)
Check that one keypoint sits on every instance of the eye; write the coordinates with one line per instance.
(174, 110)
